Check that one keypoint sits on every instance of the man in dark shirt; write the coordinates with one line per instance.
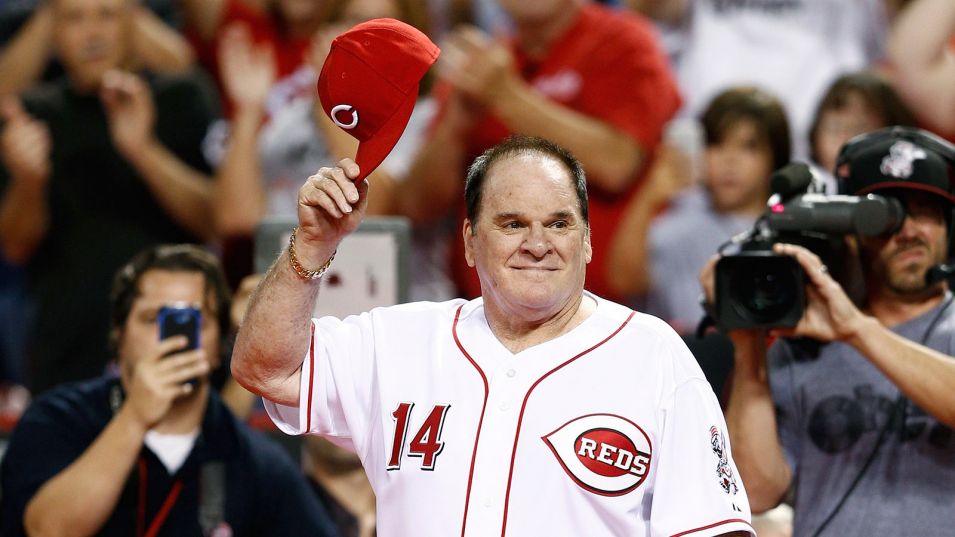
(149, 453)
(93, 169)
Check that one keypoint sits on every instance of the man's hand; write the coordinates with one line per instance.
(130, 112)
(829, 315)
(330, 206)
(25, 145)
(478, 66)
(158, 379)
(247, 70)
(670, 173)
(708, 279)
(750, 338)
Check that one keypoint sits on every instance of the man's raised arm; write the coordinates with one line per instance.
(274, 337)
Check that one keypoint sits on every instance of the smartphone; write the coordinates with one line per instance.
(180, 319)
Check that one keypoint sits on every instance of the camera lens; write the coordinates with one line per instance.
(763, 292)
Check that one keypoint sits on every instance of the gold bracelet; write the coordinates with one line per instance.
(303, 272)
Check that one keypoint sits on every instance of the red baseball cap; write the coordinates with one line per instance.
(369, 84)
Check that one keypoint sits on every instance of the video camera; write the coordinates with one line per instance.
(756, 287)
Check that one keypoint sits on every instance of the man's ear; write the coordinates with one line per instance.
(114, 336)
(468, 232)
(115, 344)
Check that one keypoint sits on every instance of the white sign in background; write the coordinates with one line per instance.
(370, 268)
(362, 276)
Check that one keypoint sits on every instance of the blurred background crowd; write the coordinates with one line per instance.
(127, 124)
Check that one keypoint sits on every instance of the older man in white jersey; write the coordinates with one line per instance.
(537, 409)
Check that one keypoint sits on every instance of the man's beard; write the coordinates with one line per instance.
(909, 278)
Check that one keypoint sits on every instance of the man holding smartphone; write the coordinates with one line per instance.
(150, 453)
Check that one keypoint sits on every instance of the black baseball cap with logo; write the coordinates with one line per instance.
(897, 158)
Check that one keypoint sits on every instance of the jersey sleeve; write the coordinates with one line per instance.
(697, 490)
(334, 395)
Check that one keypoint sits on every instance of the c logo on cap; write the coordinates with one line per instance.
(345, 108)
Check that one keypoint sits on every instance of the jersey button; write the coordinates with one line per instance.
(506, 405)
(511, 372)
(488, 501)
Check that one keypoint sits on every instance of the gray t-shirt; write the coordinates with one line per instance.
(834, 410)
(680, 243)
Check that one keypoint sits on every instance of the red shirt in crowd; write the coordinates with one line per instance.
(290, 53)
(607, 65)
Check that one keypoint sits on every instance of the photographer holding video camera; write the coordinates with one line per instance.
(854, 403)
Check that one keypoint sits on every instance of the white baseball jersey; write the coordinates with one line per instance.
(609, 429)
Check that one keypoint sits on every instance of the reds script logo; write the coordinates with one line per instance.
(899, 161)
(344, 108)
(603, 453)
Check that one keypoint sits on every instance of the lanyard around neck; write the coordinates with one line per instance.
(163, 513)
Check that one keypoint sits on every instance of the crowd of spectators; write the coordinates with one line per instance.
(128, 124)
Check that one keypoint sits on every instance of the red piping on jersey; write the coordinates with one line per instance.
(720, 523)
(311, 377)
(467, 496)
(520, 417)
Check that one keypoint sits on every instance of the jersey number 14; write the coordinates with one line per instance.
(425, 444)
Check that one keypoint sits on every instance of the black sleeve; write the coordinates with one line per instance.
(49, 437)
